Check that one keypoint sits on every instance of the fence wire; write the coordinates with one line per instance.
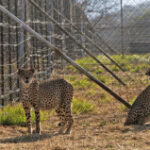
(119, 26)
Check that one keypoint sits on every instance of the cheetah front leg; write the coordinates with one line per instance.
(28, 118)
(37, 115)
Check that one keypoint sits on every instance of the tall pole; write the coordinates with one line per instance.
(121, 27)
(2, 59)
(27, 34)
(21, 49)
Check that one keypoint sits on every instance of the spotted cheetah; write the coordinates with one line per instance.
(55, 94)
(148, 72)
(140, 110)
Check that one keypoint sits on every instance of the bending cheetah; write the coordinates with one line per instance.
(140, 110)
(55, 94)
(148, 73)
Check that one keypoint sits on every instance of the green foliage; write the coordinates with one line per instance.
(115, 68)
(90, 92)
(81, 106)
(124, 108)
(12, 116)
(132, 63)
(15, 115)
(104, 98)
(102, 124)
(82, 83)
(102, 78)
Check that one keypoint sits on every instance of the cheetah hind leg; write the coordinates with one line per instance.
(70, 122)
(61, 130)
(69, 125)
(62, 122)
(141, 121)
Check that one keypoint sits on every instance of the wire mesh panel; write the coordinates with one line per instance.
(18, 48)
(9, 49)
(78, 27)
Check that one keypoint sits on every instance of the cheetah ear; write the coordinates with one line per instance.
(20, 71)
(33, 70)
(32, 66)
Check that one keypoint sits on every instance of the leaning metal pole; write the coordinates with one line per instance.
(91, 41)
(68, 59)
(78, 43)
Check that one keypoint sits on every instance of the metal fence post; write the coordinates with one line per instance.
(21, 48)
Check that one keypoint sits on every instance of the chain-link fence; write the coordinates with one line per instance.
(79, 28)
(18, 47)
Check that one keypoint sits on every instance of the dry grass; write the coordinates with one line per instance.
(101, 130)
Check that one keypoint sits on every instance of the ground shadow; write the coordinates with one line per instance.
(137, 128)
(27, 138)
(142, 128)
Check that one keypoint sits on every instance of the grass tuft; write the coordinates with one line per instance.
(124, 108)
(81, 107)
(102, 124)
(15, 115)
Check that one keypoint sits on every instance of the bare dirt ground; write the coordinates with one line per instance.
(100, 130)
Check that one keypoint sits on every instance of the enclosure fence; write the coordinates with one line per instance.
(66, 25)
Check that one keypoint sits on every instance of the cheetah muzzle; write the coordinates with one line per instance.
(55, 94)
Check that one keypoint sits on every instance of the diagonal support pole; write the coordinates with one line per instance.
(91, 41)
(68, 59)
(78, 43)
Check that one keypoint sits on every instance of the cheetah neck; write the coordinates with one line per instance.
(30, 87)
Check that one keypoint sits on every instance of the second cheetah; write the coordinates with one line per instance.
(55, 94)
(148, 72)
(140, 110)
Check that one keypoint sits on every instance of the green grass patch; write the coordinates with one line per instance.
(81, 106)
(132, 63)
(82, 83)
(103, 78)
(104, 98)
(124, 108)
(90, 92)
(102, 124)
(15, 115)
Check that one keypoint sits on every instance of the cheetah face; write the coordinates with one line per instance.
(26, 75)
(148, 73)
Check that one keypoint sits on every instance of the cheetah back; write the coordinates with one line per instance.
(53, 94)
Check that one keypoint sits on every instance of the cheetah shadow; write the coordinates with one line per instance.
(28, 138)
(137, 128)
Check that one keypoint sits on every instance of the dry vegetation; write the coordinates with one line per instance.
(99, 129)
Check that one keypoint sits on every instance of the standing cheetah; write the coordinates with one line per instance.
(148, 72)
(55, 94)
(140, 110)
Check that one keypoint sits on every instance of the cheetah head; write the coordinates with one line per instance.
(148, 73)
(26, 75)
